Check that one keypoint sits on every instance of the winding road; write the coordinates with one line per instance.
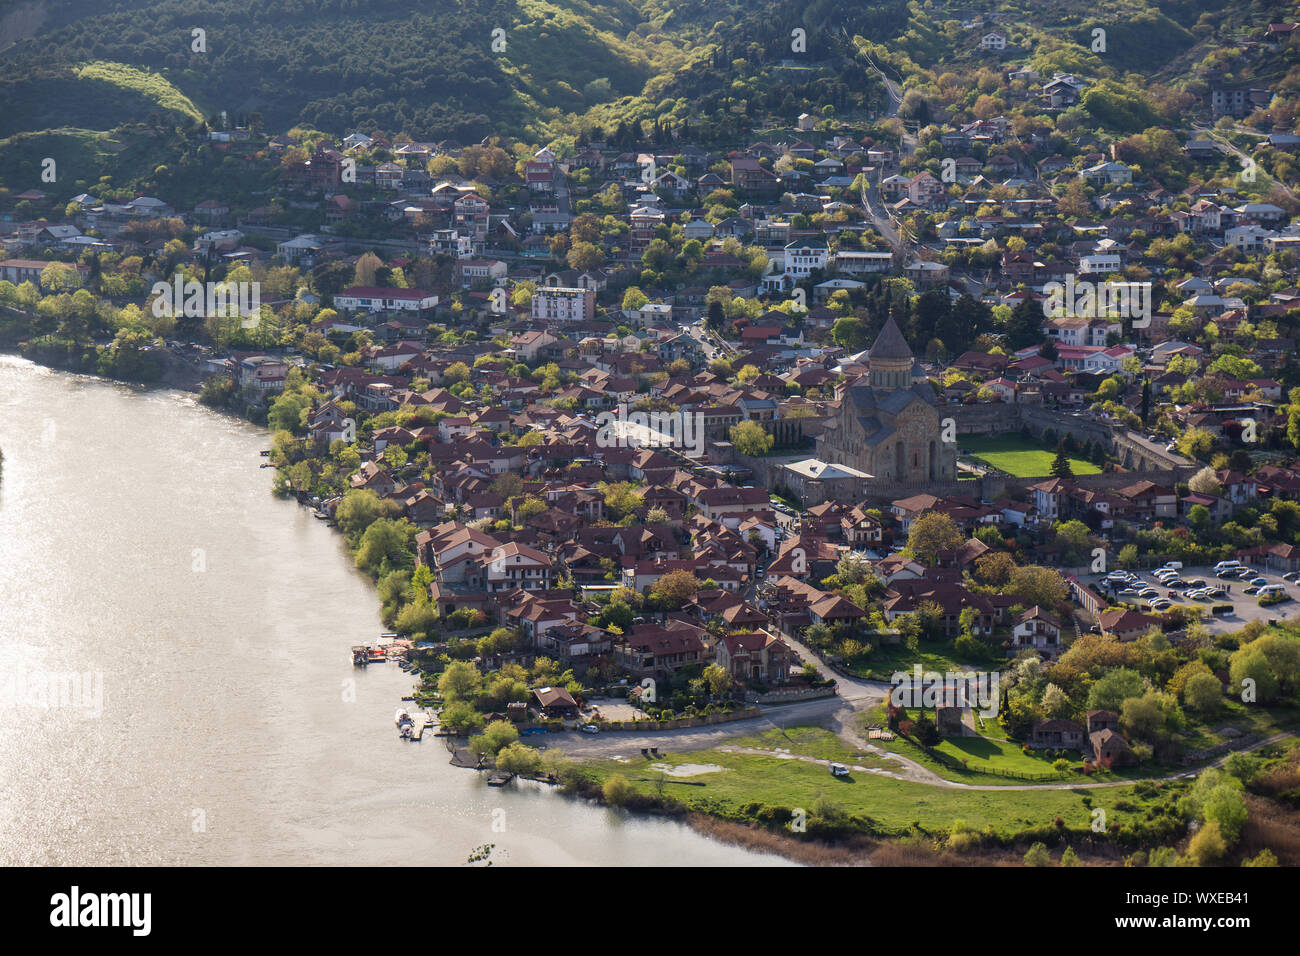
(839, 714)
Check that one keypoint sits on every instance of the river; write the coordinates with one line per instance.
(198, 629)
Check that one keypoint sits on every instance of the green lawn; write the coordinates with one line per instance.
(983, 752)
(1019, 456)
(931, 655)
(748, 782)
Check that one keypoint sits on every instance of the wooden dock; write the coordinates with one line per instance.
(500, 778)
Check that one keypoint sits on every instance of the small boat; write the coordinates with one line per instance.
(401, 717)
(360, 656)
(376, 655)
(500, 778)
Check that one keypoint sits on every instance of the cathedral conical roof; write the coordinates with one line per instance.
(890, 343)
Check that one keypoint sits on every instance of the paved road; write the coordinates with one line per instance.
(1226, 147)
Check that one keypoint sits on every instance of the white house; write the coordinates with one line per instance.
(804, 256)
(375, 299)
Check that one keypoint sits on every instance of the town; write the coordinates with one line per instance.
(648, 445)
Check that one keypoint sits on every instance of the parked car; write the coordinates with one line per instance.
(589, 729)
(1257, 582)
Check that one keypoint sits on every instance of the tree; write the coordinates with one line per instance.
(495, 736)
(1039, 585)
(367, 266)
(1205, 482)
(995, 569)
(750, 438)
(1061, 463)
(932, 532)
(384, 545)
(1110, 690)
(633, 299)
(1151, 717)
(617, 790)
(1196, 442)
(1055, 703)
(460, 717)
(1025, 327)
(1037, 855)
(674, 589)
(288, 411)
(585, 256)
(621, 499)
(361, 507)
(1207, 847)
(519, 758)
(717, 679)
(1074, 537)
(459, 681)
(849, 333)
(455, 373)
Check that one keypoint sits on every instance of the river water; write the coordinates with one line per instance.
(175, 684)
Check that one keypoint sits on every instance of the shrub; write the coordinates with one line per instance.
(1037, 855)
(617, 790)
(1208, 847)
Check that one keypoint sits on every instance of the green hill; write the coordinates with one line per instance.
(438, 69)
(434, 69)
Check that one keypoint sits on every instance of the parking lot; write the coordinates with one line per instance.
(1245, 607)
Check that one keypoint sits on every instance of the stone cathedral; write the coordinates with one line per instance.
(890, 428)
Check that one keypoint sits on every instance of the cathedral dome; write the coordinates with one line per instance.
(890, 358)
(890, 344)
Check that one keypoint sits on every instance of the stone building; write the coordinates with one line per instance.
(890, 428)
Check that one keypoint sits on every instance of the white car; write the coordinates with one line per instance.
(839, 770)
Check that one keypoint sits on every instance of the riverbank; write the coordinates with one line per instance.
(234, 729)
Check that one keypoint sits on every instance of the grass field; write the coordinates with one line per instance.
(153, 87)
(738, 785)
(887, 659)
(982, 752)
(1020, 456)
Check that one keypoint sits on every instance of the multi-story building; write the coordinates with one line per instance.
(560, 304)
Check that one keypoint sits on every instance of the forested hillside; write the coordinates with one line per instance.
(438, 69)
